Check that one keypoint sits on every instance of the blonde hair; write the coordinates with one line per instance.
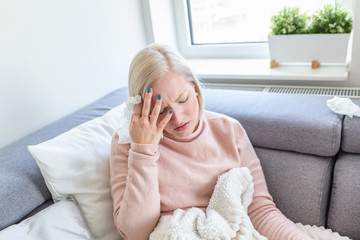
(152, 63)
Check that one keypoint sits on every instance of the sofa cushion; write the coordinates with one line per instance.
(22, 185)
(344, 211)
(351, 133)
(299, 184)
(301, 123)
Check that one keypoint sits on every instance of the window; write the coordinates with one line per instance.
(232, 28)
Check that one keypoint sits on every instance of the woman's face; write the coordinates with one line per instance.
(178, 94)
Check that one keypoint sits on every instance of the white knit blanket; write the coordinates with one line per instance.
(226, 215)
(225, 218)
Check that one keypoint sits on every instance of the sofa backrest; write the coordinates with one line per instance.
(300, 123)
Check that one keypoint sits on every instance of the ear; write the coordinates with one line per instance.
(194, 85)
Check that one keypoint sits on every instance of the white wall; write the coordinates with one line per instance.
(57, 56)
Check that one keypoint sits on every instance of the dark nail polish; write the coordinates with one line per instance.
(171, 111)
(149, 89)
(159, 96)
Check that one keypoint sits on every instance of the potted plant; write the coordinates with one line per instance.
(322, 37)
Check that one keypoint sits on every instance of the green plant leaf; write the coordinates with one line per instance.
(329, 19)
(289, 21)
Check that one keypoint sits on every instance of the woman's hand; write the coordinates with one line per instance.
(144, 126)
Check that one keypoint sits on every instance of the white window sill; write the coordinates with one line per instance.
(255, 69)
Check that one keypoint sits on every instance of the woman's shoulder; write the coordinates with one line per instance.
(219, 117)
(219, 120)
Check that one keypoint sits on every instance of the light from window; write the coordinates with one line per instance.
(238, 21)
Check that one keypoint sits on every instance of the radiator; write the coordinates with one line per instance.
(324, 91)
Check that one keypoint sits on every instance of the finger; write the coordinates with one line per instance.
(137, 108)
(156, 110)
(166, 119)
(131, 122)
(147, 103)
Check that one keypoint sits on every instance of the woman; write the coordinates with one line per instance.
(177, 152)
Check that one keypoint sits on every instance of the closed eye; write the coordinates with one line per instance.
(162, 111)
(184, 100)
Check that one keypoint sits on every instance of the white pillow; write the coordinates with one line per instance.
(62, 220)
(76, 163)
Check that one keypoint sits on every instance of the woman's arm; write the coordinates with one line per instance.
(265, 216)
(135, 188)
(134, 172)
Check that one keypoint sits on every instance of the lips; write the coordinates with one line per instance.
(182, 127)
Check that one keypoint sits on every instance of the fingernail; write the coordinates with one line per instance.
(149, 89)
(171, 111)
(159, 96)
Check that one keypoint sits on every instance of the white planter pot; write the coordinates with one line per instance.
(329, 48)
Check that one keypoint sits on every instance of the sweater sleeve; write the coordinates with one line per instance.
(265, 216)
(134, 188)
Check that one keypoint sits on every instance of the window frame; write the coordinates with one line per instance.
(211, 64)
(242, 50)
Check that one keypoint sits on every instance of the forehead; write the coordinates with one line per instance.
(172, 84)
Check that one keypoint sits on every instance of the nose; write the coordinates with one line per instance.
(177, 116)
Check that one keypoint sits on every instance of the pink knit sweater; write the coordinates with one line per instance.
(148, 181)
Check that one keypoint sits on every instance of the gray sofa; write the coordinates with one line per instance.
(310, 156)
